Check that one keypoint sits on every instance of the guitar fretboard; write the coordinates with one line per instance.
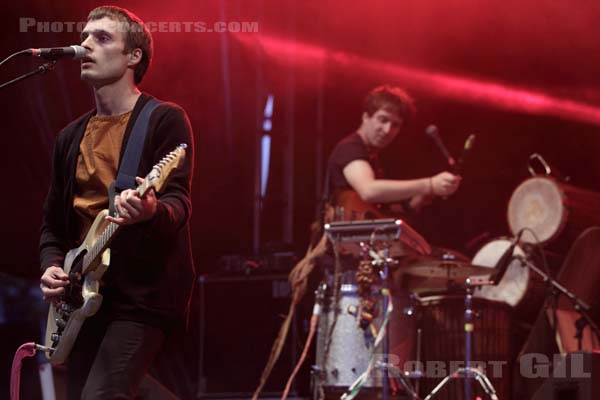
(100, 244)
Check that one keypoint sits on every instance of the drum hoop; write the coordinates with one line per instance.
(564, 210)
(497, 239)
(439, 300)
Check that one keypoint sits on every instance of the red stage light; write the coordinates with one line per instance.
(443, 85)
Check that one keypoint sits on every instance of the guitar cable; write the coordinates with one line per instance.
(25, 350)
(314, 320)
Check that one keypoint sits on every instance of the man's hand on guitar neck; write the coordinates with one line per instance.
(131, 208)
(53, 283)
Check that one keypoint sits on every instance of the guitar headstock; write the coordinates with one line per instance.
(162, 170)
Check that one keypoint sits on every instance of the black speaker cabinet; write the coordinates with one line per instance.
(239, 318)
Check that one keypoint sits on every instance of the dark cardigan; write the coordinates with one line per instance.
(151, 272)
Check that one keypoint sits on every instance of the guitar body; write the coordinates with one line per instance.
(82, 300)
(350, 207)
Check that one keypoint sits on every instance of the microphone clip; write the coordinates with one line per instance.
(507, 257)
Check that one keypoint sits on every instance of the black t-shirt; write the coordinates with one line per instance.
(345, 151)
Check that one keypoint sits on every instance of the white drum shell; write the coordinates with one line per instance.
(537, 204)
(513, 286)
(551, 211)
(349, 351)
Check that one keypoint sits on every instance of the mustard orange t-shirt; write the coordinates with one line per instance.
(97, 165)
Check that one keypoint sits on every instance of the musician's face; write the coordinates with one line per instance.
(107, 61)
(381, 128)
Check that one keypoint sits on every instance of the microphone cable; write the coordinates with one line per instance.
(18, 53)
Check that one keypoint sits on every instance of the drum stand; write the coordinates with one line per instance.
(468, 372)
(383, 263)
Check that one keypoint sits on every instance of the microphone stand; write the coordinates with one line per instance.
(579, 305)
(41, 70)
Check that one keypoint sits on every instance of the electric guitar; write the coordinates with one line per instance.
(350, 207)
(86, 264)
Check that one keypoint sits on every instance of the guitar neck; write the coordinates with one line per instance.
(103, 240)
(154, 180)
(100, 244)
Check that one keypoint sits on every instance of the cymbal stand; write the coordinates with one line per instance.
(469, 372)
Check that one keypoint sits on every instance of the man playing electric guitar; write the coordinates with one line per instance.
(147, 285)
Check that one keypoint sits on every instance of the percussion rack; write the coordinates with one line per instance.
(365, 233)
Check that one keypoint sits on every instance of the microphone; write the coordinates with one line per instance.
(461, 159)
(504, 261)
(54, 53)
(432, 132)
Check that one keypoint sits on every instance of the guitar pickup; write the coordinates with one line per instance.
(67, 308)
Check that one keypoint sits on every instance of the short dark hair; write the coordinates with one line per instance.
(137, 36)
(390, 98)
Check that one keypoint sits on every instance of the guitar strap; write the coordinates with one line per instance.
(325, 197)
(316, 229)
(133, 154)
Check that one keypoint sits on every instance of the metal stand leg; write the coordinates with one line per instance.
(384, 277)
(385, 365)
(401, 377)
(468, 372)
(396, 373)
(468, 339)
